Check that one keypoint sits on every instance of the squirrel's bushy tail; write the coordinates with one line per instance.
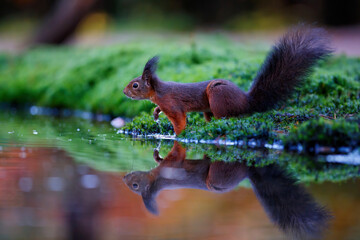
(287, 64)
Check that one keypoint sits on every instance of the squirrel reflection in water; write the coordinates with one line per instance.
(287, 203)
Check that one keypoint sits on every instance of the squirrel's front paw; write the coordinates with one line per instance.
(156, 113)
(156, 152)
(156, 117)
(156, 156)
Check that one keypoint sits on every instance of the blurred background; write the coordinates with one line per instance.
(27, 23)
(52, 188)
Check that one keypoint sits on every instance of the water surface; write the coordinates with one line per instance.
(76, 179)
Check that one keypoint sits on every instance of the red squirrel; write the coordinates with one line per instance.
(284, 68)
(287, 203)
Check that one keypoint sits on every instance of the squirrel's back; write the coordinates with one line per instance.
(287, 64)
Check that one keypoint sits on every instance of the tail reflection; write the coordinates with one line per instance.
(286, 203)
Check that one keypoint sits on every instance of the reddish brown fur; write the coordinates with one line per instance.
(285, 67)
(234, 101)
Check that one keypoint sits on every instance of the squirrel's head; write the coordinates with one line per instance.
(142, 183)
(143, 87)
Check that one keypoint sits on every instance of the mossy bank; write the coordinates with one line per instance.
(93, 80)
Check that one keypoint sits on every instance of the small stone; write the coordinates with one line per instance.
(117, 122)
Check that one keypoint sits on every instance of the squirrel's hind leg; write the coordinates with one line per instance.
(224, 176)
(226, 99)
(208, 116)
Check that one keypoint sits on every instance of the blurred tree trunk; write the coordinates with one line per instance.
(63, 20)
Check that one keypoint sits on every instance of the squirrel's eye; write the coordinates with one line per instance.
(135, 85)
(135, 186)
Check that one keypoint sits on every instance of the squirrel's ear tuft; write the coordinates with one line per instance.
(151, 65)
(150, 69)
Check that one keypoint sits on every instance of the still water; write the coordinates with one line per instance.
(76, 179)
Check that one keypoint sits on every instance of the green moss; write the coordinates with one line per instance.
(232, 129)
(324, 132)
(197, 128)
(305, 129)
(145, 125)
